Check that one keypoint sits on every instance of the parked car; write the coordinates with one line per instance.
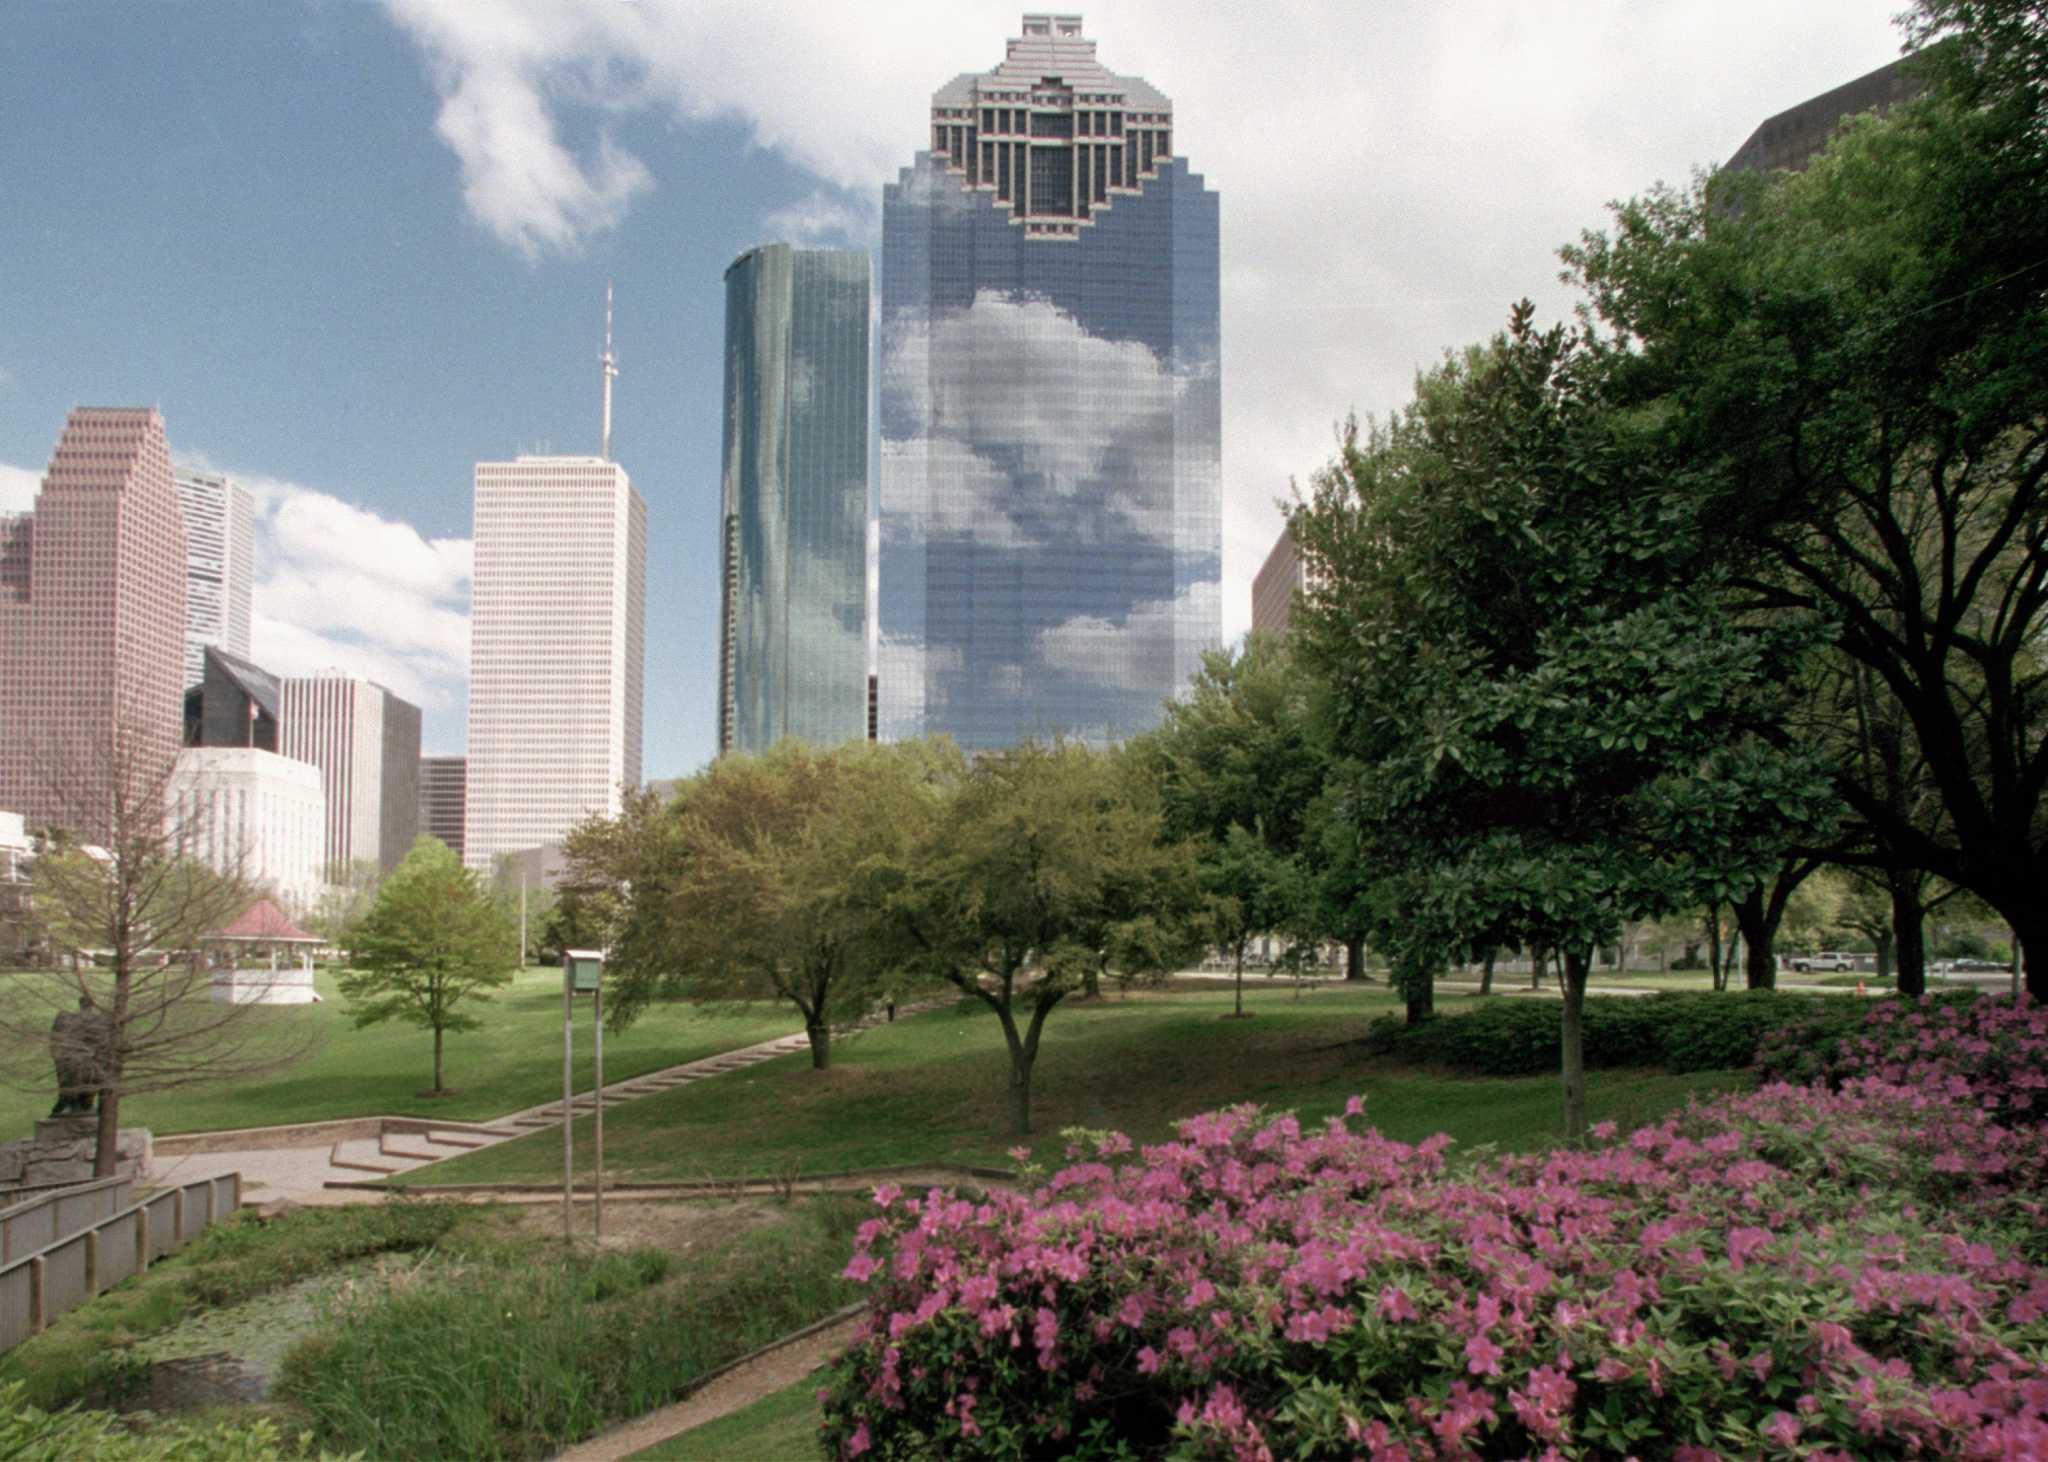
(1807, 963)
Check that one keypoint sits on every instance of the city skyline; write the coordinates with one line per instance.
(370, 253)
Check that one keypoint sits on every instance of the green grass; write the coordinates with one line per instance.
(931, 1088)
(784, 1424)
(519, 1358)
(515, 1061)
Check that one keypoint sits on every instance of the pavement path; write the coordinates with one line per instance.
(752, 1379)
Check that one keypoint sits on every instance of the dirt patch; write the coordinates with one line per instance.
(678, 1225)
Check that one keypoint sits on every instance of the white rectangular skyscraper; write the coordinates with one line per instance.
(557, 650)
(220, 565)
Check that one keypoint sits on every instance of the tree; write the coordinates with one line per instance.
(351, 888)
(433, 942)
(1541, 756)
(117, 884)
(1853, 362)
(1016, 888)
(752, 883)
(1237, 770)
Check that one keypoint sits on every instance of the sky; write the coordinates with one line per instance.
(352, 248)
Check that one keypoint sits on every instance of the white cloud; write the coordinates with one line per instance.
(1392, 177)
(826, 219)
(18, 488)
(339, 587)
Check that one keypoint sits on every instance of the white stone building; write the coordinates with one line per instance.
(250, 811)
(220, 565)
(557, 650)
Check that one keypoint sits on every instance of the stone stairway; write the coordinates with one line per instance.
(549, 1114)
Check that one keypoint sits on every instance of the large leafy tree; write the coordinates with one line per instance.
(754, 883)
(1555, 725)
(1047, 861)
(1237, 772)
(433, 943)
(1854, 365)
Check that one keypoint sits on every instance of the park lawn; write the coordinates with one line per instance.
(781, 1424)
(931, 1088)
(515, 1061)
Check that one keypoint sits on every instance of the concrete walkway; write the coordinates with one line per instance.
(758, 1376)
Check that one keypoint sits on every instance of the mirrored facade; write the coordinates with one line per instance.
(1050, 403)
(795, 499)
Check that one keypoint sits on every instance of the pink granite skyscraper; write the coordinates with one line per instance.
(92, 620)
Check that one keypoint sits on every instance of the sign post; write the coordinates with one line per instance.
(583, 973)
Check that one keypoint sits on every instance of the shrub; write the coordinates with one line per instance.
(1785, 1272)
(1681, 1031)
(490, 1359)
(1980, 1048)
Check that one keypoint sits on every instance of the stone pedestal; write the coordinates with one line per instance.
(62, 1152)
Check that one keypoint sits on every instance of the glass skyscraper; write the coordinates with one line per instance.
(793, 652)
(1050, 402)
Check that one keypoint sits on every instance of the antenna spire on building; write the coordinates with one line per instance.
(611, 369)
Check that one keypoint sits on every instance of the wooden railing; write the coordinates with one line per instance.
(101, 1249)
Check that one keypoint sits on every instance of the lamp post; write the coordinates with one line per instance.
(583, 972)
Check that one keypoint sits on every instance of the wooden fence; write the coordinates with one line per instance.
(101, 1248)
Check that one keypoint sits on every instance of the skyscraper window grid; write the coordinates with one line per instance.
(1050, 407)
(793, 654)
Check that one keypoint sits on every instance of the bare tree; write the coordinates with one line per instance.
(120, 884)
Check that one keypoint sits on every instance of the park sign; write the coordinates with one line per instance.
(583, 969)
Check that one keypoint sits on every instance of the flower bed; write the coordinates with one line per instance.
(1983, 1049)
(1791, 1272)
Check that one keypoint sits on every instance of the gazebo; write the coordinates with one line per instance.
(261, 926)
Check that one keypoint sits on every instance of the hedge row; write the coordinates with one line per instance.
(1692, 1030)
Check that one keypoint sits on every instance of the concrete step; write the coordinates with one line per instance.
(355, 1155)
(444, 1139)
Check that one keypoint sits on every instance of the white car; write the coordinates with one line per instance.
(1807, 963)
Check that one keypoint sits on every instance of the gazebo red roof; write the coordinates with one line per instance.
(265, 920)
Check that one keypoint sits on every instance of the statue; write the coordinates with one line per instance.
(75, 1043)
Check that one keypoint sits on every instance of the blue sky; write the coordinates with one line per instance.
(352, 248)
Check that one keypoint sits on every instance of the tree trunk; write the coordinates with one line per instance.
(820, 1036)
(1239, 1011)
(1091, 983)
(1759, 928)
(1909, 929)
(1354, 957)
(1536, 961)
(1577, 965)
(1885, 964)
(107, 1136)
(1719, 968)
(437, 1057)
(1418, 985)
(1486, 974)
(2032, 929)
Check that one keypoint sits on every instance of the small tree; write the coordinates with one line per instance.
(351, 887)
(1005, 897)
(116, 886)
(433, 940)
(750, 885)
